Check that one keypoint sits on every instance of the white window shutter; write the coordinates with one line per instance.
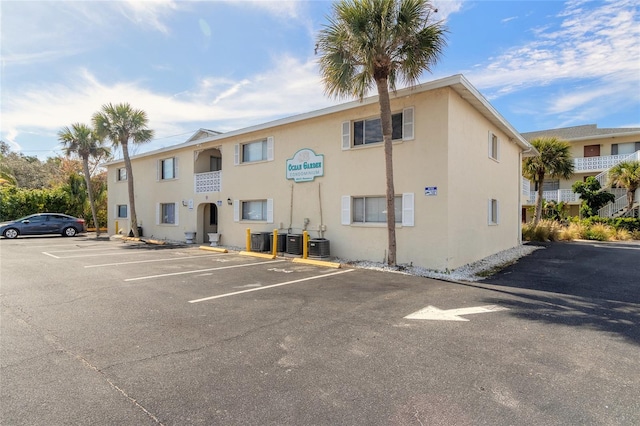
(346, 210)
(236, 210)
(497, 212)
(158, 170)
(270, 210)
(236, 154)
(407, 124)
(407, 209)
(270, 148)
(176, 210)
(175, 167)
(346, 135)
(157, 213)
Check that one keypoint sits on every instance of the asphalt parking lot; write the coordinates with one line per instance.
(105, 332)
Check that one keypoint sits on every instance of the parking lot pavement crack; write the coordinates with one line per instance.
(54, 341)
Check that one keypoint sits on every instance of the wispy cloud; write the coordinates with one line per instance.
(598, 44)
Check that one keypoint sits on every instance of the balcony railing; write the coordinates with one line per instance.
(208, 182)
(560, 195)
(596, 164)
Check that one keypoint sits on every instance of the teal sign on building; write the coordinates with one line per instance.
(305, 166)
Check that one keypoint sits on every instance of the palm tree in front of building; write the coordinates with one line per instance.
(122, 124)
(553, 160)
(377, 43)
(626, 175)
(81, 140)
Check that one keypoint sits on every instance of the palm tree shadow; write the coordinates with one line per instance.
(577, 285)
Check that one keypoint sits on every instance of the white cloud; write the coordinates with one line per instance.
(290, 87)
(596, 44)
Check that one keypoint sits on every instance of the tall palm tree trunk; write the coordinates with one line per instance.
(385, 119)
(132, 198)
(539, 196)
(87, 178)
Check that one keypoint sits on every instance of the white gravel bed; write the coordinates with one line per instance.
(475, 271)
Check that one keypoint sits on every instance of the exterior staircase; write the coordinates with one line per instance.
(618, 208)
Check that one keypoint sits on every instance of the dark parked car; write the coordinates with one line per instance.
(43, 223)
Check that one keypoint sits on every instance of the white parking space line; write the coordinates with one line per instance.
(197, 271)
(49, 254)
(87, 255)
(84, 250)
(152, 260)
(270, 286)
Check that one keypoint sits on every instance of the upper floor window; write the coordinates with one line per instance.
(168, 168)
(494, 147)
(254, 151)
(625, 148)
(369, 131)
(121, 174)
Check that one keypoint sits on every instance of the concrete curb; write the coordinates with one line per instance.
(254, 254)
(216, 249)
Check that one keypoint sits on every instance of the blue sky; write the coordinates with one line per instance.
(226, 65)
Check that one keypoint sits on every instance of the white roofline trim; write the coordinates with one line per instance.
(457, 82)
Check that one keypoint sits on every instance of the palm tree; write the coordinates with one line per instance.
(81, 140)
(375, 43)
(122, 124)
(553, 160)
(626, 175)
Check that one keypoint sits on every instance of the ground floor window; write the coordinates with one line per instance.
(121, 210)
(373, 209)
(253, 210)
(168, 213)
(493, 212)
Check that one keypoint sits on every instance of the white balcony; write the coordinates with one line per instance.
(208, 182)
(560, 195)
(602, 163)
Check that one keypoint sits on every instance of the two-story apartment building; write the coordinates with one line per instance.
(594, 152)
(457, 165)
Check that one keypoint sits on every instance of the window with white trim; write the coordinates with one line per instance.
(253, 152)
(369, 131)
(253, 210)
(494, 147)
(369, 210)
(493, 211)
(121, 174)
(168, 168)
(121, 211)
(168, 214)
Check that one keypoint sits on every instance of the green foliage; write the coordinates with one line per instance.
(18, 202)
(554, 211)
(592, 196)
(593, 228)
(630, 224)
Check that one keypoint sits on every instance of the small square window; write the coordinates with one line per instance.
(254, 210)
(122, 211)
(254, 151)
(374, 209)
(168, 168)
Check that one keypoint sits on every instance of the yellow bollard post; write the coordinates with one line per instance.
(116, 227)
(305, 244)
(275, 243)
(249, 239)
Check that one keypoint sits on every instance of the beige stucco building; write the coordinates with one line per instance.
(594, 151)
(457, 165)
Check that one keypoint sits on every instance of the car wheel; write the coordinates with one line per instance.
(69, 232)
(11, 233)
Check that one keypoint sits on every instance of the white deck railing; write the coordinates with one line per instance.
(208, 182)
(560, 195)
(603, 177)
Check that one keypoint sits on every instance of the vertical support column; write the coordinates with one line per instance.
(248, 239)
(275, 243)
(305, 244)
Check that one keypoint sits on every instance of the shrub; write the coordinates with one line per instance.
(546, 230)
(600, 232)
(573, 231)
